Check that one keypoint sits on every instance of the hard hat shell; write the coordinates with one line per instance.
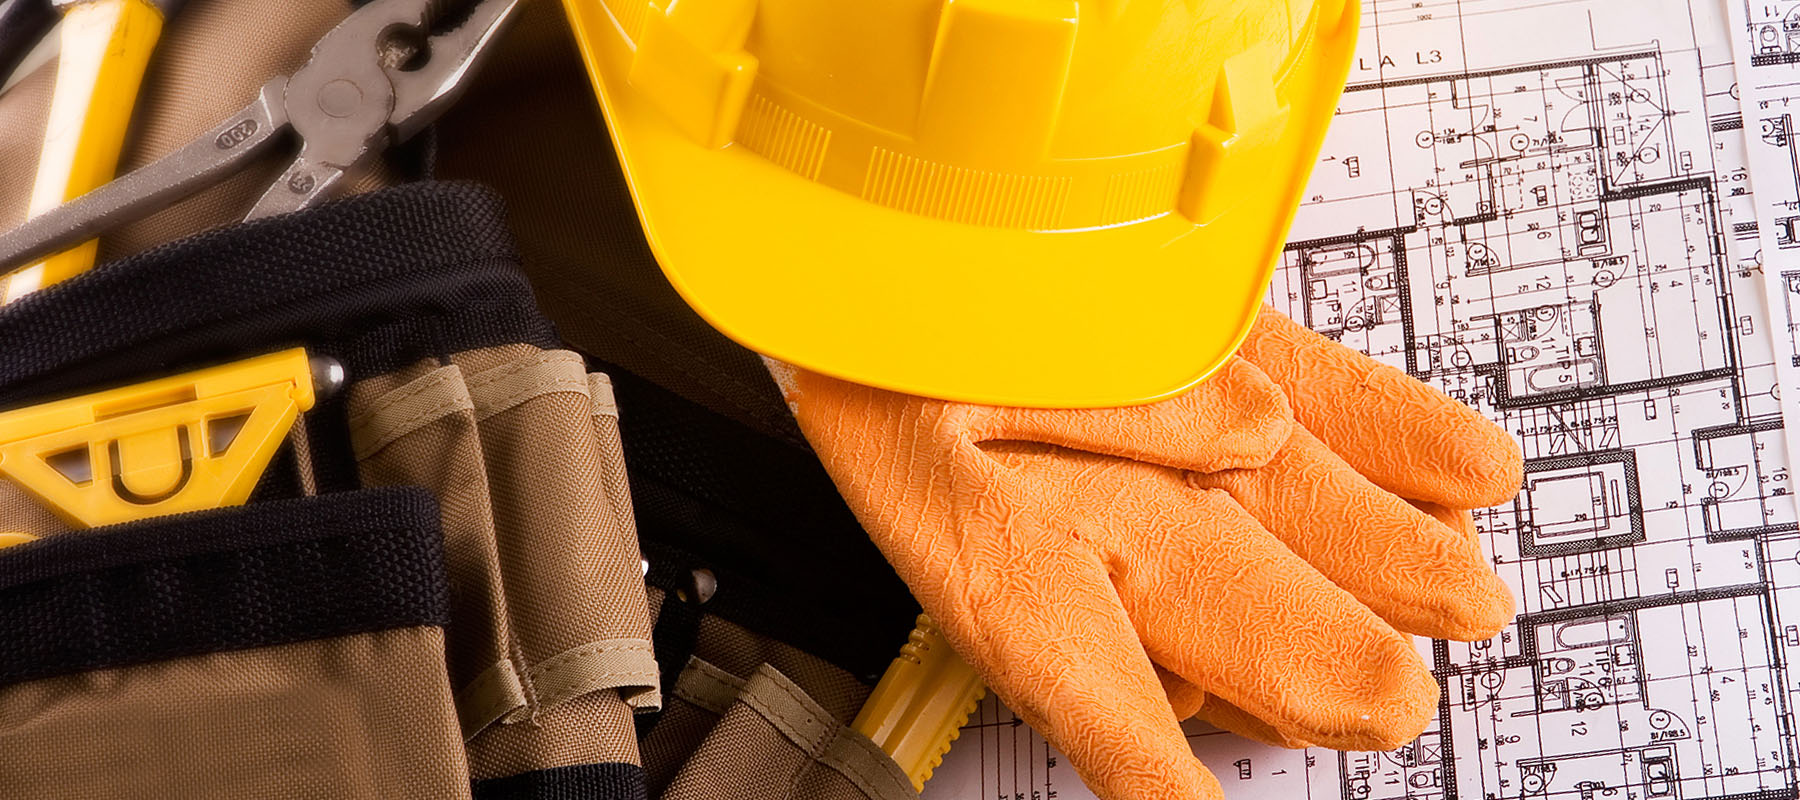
(1015, 202)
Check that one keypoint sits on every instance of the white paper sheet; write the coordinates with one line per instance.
(1542, 209)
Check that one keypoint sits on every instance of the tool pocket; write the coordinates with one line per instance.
(416, 427)
(773, 740)
(285, 649)
(568, 558)
(747, 715)
(550, 654)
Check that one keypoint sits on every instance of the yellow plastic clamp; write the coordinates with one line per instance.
(184, 443)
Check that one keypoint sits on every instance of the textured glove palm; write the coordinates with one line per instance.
(1252, 551)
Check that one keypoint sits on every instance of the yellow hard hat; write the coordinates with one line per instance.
(1017, 202)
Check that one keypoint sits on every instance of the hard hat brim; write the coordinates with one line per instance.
(827, 281)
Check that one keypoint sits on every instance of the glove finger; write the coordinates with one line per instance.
(1419, 575)
(1457, 520)
(1223, 604)
(1051, 639)
(1402, 434)
(1189, 700)
(1184, 697)
(1227, 607)
(1227, 717)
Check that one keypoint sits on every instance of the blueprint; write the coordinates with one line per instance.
(1766, 38)
(1543, 208)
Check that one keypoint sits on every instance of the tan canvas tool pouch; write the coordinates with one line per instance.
(749, 716)
(292, 648)
(522, 443)
(455, 388)
(774, 614)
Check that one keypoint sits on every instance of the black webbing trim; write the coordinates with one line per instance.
(228, 579)
(581, 782)
(378, 280)
(677, 629)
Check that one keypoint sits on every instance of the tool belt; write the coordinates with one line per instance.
(440, 591)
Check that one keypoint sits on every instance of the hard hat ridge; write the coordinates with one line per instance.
(958, 198)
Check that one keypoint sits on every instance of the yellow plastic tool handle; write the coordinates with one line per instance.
(919, 707)
(188, 442)
(105, 48)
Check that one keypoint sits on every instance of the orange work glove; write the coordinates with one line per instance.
(1266, 561)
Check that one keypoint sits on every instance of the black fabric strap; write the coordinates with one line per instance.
(677, 628)
(377, 280)
(226, 579)
(582, 782)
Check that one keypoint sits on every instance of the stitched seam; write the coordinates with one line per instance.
(707, 686)
(605, 680)
(853, 768)
(813, 753)
(506, 371)
(572, 660)
(600, 394)
(375, 423)
(789, 725)
(557, 363)
(540, 359)
(485, 411)
(562, 660)
(478, 718)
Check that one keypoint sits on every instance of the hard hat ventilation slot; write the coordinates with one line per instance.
(781, 136)
(1141, 194)
(959, 194)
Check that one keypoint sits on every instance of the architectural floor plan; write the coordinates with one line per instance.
(1543, 209)
(1766, 38)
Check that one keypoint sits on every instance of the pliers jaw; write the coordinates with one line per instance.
(423, 91)
(378, 78)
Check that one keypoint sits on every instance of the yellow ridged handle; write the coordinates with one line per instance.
(921, 703)
(106, 46)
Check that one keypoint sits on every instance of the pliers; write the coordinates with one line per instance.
(378, 78)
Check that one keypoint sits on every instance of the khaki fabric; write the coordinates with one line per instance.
(595, 728)
(416, 427)
(568, 546)
(550, 643)
(774, 741)
(23, 513)
(749, 716)
(569, 558)
(363, 716)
